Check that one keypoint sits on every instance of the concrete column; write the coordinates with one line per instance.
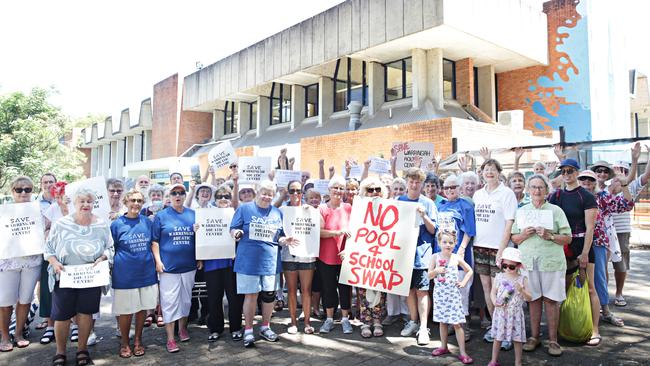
(486, 93)
(263, 114)
(106, 156)
(376, 92)
(147, 144)
(435, 90)
(116, 164)
(129, 150)
(217, 124)
(465, 81)
(119, 158)
(297, 105)
(243, 123)
(93, 161)
(100, 156)
(325, 99)
(137, 147)
(419, 77)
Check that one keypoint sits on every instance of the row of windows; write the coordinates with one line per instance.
(349, 85)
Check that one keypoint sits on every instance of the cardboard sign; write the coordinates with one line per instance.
(222, 155)
(254, 169)
(85, 276)
(321, 186)
(302, 223)
(379, 254)
(408, 151)
(21, 230)
(379, 166)
(213, 240)
(283, 177)
(535, 218)
(262, 232)
(446, 221)
(355, 171)
(102, 207)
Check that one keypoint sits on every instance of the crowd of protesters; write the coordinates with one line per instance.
(471, 255)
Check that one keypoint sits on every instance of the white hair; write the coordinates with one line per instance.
(452, 179)
(468, 176)
(372, 181)
(84, 192)
(268, 185)
(336, 180)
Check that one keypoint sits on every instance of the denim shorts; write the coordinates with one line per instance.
(252, 284)
(297, 266)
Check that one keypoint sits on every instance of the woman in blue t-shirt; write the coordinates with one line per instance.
(174, 250)
(257, 226)
(135, 282)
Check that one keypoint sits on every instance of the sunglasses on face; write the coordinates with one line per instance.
(582, 179)
(375, 190)
(21, 190)
(223, 196)
(177, 193)
(450, 187)
(601, 170)
(136, 200)
(511, 267)
(295, 191)
(567, 171)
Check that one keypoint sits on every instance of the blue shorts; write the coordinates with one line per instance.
(420, 280)
(252, 284)
(68, 302)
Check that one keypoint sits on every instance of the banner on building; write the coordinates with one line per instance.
(97, 185)
(222, 155)
(302, 223)
(21, 230)
(407, 153)
(254, 169)
(85, 275)
(380, 251)
(213, 239)
(283, 177)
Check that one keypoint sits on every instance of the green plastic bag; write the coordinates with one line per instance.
(575, 312)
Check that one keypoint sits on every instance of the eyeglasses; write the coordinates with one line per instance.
(567, 171)
(398, 188)
(247, 191)
(21, 190)
(115, 191)
(295, 191)
(536, 188)
(450, 187)
(602, 170)
(177, 193)
(223, 196)
(511, 267)
(375, 190)
(338, 188)
(136, 200)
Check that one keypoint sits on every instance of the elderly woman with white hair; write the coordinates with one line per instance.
(257, 226)
(469, 182)
(77, 239)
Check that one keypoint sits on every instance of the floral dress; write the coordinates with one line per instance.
(508, 323)
(447, 302)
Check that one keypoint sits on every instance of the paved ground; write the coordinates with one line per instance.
(621, 346)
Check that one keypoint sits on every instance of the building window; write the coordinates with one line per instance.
(449, 79)
(280, 100)
(252, 121)
(476, 86)
(311, 100)
(398, 81)
(349, 83)
(230, 117)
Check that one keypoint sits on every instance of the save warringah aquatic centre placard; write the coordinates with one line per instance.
(213, 239)
(302, 223)
(254, 169)
(21, 230)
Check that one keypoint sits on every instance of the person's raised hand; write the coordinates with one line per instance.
(485, 153)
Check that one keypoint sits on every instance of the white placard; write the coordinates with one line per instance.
(222, 155)
(283, 177)
(379, 254)
(213, 240)
(407, 151)
(379, 165)
(446, 221)
(534, 218)
(21, 230)
(262, 232)
(355, 171)
(254, 169)
(321, 186)
(302, 223)
(102, 207)
(85, 276)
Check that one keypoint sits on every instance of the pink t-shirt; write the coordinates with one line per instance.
(333, 219)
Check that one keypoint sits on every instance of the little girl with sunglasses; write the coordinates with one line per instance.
(447, 301)
(508, 294)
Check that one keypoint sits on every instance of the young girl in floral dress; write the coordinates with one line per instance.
(447, 302)
(508, 294)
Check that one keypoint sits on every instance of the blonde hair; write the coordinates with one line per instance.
(21, 179)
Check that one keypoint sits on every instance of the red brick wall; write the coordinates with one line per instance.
(465, 81)
(164, 109)
(195, 128)
(86, 163)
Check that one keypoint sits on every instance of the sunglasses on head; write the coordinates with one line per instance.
(375, 190)
(223, 196)
(21, 190)
(136, 200)
(511, 267)
(295, 191)
(177, 193)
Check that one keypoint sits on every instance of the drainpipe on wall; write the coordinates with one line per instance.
(354, 108)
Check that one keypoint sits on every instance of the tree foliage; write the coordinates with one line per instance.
(31, 134)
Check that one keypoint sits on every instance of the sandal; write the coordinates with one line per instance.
(620, 301)
(59, 360)
(159, 321)
(594, 341)
(6, 347)
(531, 344)
(613, 319)
(138, 350)
(279, 305)
(74, 334)
(465, 359)
(554, 349)
(85, 359)
(440, 351)
(125, 352)
(378, 330)
(309, 329)
(48, 336)
(149, 320)
(21, 342)
(41, 325)
(365, 331)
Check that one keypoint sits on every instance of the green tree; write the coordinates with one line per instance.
(31, 134)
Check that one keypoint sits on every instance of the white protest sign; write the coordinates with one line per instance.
(254, 169)
(355, 171)
(321, 186)
(213, 240)
(408, 151)
(21, 230)
(446, 221)
(85, 276)
(222, 155)
(262, 231)
(302, 223)
(535, 218)
(379, 165)
(102, 207)
(283, 177)
(379, 254)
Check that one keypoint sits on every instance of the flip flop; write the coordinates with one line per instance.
(6, 347)
(125, 352)
(159, 322)
(594, 341)
(41, 325)
(138, 351)
(22, 343)
(620, 301)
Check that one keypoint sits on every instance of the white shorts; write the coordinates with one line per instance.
(176, 295)
(17, 286)
(133, 300)
(548, 284)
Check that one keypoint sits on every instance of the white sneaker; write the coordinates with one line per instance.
(423, 336)
(410, 328)
(92, 339)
